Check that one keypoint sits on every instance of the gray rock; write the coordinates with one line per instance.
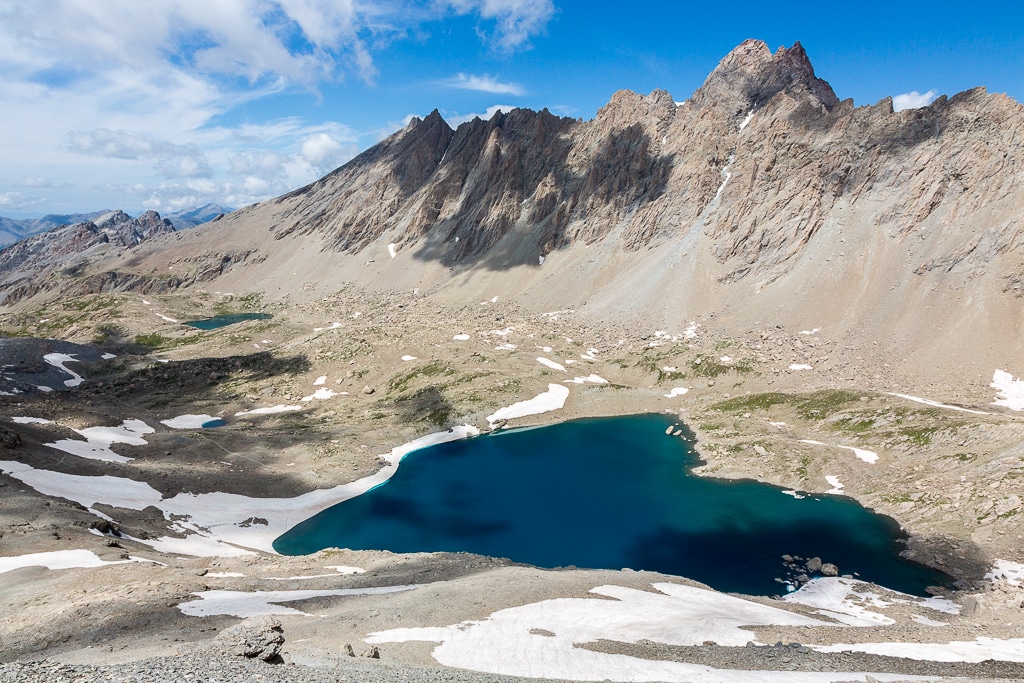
(814, 564)
(829, 569)
(260, 637)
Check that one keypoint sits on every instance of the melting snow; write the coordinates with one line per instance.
(592, 378)
(321, 394)
(744, 122)
(550, 363)
(936, 404)
(677, 391)
(58, 559)
(108, 356)
(1004, 570)
(333, 326)
(170, 320)
(1008, 650)
(814, 331)
(508, 642)
(99, 439)
(837, 486)
(865, 455)
(391, 250)
(552, 399)
(1010, 391)
(269, 411)
(259, 603)
(58, 360)
(188, 421)
(407, 357)
(800, 366)
(461, 337)
(319, 380)
(30, 420)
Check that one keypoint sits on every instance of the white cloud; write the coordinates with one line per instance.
(515, 20)
(913, 100)
(172, 161)
(34, 181)
(17, 201)
(483, 84)
(455, 120)
(129, 94)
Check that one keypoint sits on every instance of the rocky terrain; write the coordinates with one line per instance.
(824, 294)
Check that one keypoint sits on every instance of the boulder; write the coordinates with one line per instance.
(260, 637)
(829, 569)
(814, 565)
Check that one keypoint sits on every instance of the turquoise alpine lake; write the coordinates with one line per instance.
(610, 493)
(224, 320)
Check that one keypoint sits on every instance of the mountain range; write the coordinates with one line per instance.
(763, 199)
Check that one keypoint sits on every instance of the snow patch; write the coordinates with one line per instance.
(320, 380)
(58, 360)
(30, 420)
(321, 394)
(461, 337)
(744, 122)
(677, 391)
(57, 559)
(164, 317)
(837, 486)
(974, 651)
(391, 250)
(259, 603)
(936, 404)
(272, 410)
(1010, 391)
(552, 399)
(509, 641)
(550, 363)
(865, 455)
(99, 439)
(592, 378)
(333, 326)
(800, 366)
(407, 357)
(189, 421)
(1004, 570)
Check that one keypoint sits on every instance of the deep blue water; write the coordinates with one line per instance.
(216, 422)
(609, 493)
(222, 320)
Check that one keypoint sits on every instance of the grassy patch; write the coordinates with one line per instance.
(821, 404)
(753, 402)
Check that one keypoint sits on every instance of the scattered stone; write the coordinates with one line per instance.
(348, 650)
(368, 390)
(829, 569)
(814, 565)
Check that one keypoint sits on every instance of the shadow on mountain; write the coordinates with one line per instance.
(426, 405)
(522, 208)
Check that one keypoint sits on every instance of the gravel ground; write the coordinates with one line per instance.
(217, 669)
(797, 657)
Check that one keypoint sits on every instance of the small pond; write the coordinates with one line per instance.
(609, 493)
(223, 320)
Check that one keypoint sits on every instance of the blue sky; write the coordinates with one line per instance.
(168, 104)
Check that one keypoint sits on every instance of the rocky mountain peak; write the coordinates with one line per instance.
(751, 75)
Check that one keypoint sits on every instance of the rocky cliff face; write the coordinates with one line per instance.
(759, 158)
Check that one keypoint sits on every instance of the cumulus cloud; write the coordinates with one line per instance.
(172, 161)
(132, 94)
(456, 120)
(913, 100)
(483, 84)
(16, 201)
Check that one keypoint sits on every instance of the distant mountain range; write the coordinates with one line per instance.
(12, 230)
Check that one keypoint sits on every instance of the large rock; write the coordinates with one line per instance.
(255, 637)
